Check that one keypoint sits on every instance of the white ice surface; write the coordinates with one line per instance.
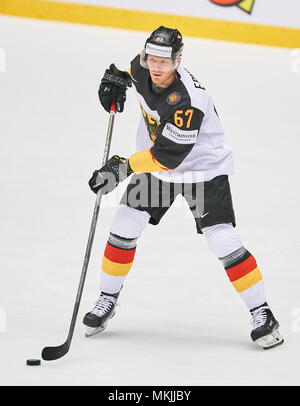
(180, 321)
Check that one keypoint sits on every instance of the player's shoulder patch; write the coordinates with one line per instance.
(173, 98)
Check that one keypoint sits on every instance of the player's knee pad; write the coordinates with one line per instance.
(129, 222)
(222, 239)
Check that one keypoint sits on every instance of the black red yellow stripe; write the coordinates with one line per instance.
(244, 273)
(117, 261)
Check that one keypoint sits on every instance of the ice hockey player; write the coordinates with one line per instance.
(181, 149)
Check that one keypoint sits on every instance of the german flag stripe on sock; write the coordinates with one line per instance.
(248, 280)
(239, 270)
(119, 255)
(117, 261)
(239, 261)
(244, 273)
(115, 269)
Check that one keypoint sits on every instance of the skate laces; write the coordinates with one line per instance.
(103, 305)
(259, 316)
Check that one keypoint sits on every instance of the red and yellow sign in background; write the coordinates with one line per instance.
(146, 21)
(246, 5)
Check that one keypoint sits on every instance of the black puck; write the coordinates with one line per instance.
(33, 362)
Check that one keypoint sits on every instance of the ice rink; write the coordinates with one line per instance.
(180, 322)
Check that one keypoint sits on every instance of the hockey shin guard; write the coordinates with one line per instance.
(240, 265)
(245, 276)
(117, 262)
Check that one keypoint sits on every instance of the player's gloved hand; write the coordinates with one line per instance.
(113, 88)
(108, 177)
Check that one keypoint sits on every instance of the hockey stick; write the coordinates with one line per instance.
(53, 353)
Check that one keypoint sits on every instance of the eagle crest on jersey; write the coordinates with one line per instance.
(151, 123)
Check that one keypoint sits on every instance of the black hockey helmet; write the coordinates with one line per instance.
(163, 42)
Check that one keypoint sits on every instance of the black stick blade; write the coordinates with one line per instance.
(53, 353)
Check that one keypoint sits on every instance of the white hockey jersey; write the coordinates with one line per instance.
(181, 128)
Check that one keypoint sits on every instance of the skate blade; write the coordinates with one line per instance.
(270, 341)
(90, 331)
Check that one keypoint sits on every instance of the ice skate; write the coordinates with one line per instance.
(265, 331)
(97, 319)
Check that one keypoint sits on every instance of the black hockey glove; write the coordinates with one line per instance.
(113, 88)
(108, 177)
